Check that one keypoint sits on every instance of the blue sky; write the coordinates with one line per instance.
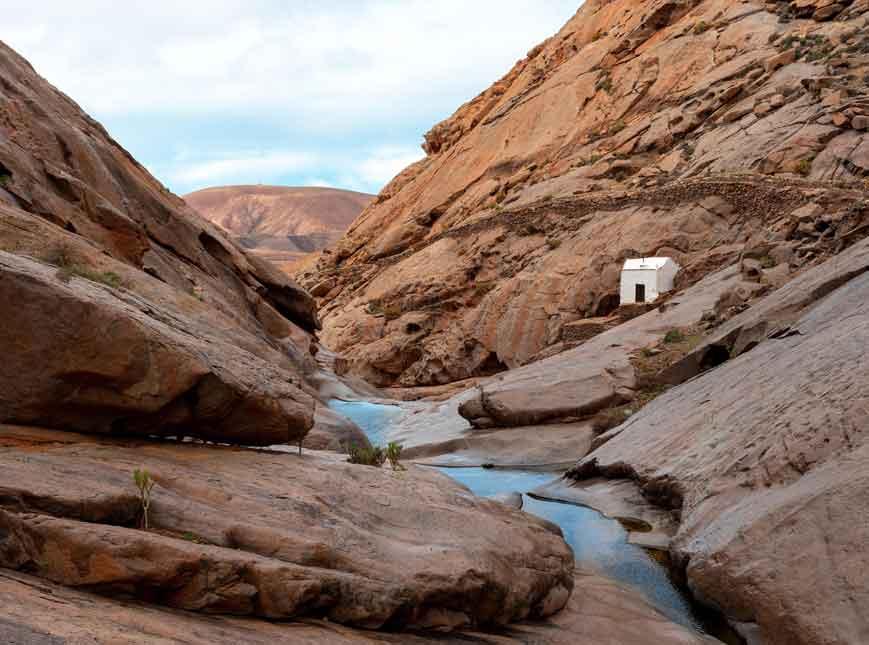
(292, 92)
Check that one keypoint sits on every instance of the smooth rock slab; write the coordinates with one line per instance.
(36, 612)
(285, 536)
(767, 458)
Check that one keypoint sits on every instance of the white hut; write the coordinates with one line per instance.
(644, 279)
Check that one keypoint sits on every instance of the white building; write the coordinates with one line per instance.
(644, 279)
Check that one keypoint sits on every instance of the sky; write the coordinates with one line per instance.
(289, 92)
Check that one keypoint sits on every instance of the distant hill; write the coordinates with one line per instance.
(280, 223)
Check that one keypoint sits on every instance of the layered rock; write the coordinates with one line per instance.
(764, 457)
(641, 128)
(36, 612)
(274, 535)
(278, 223)
(124, 311)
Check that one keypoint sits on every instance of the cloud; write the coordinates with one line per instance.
(335, 82)
(366, 171)
(254, 168)
(332, 62)
(386, 163)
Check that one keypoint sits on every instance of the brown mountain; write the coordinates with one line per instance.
(281, 224)
(689, 129)
(729, 419)
(129, 323)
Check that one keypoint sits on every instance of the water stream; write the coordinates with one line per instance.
(598, 543)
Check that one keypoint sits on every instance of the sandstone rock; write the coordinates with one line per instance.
(780, 60)
(112, 365)
(165, 325)
(37, 612)
(860, 122)
(595, 375)
(333, 432)
(274, 535)
(513, 500)
(764, 457)
(281, 224)
(588, 121)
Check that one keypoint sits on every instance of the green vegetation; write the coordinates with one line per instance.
(701, 27)
(813, 47)
(674, 336)
(553, 243)
(5, 178)
(376, 456)
(767, 262)
(108, 278)
(63, 258)
(804, 167)
(604, 83)
(391, 310)
(617, 127)
(393, 453)
(145, 484)
(373, 456)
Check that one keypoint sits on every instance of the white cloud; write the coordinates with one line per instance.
(339, 91)
(256, 167)
(332, 63)
(386, 163)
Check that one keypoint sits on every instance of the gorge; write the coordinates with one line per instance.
(691, 470)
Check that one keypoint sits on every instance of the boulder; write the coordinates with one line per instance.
(112, 364)
(274, 535)
(596, 375)
(765, 457)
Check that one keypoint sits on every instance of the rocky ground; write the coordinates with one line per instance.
(728, 419)
(136, 335)
(703, 130)
(38, 612)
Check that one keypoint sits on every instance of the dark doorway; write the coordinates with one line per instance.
(641, 293)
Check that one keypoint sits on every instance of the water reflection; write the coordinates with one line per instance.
(598, 542)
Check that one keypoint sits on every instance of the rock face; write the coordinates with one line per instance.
(274, 535)
(36, 612)
(128, 318)
(597, 375)
(282, 224)
(766, 457)
(692, 129)
(124, 312)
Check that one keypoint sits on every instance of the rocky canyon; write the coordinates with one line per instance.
(545, 464)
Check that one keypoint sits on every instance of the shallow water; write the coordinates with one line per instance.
(598, 542)
(373, 418)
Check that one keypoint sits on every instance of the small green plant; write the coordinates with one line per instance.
(374, 456)
(617, 127)
(63, 258)
(393, 453)
(767, 262)
(674, 336)
(604, 83)
(804, 167)
(60, 256)
(145, 484)
(108, 278)
(553, 243)
(701, 27)
(5, 179)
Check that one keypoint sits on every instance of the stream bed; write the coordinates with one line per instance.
(598, 543)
